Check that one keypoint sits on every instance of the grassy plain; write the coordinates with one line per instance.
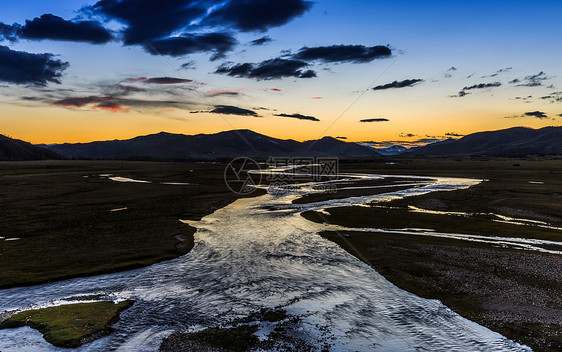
(61, 219)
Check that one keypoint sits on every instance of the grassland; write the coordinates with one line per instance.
(70, 325)
(515, 292)
(60, 213)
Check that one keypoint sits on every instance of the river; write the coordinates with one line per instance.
(259, 252)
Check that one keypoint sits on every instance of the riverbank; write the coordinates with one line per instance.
(65, 219)
(511, 291)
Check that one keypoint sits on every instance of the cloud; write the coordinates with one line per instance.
(261, 41)
(218, 43)
(159, 80)
(407, 135)
(224, 92)
(341, 137)
(233, 110)
(258, 15)
(375, 120)
(268, 69)
(453, 134)
(343, 53)
(449, 72)
(121, 90)
(464, 92)
(52, 27)
(399, 84)
(9, 32)
(149, 19)
(190, 65)
(298, 116)
(316, 98)
(111, 107)
(531, 80)
(21, 67)
(482, 86)
(114, 103)
(538, 114)
(554, 97)
(273, 89)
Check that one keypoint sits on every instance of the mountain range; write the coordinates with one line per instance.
(226, 144)
(516, 141)
(15, 150)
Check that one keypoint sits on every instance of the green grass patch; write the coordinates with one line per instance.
(70, 325)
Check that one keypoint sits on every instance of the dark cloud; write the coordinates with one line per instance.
(159, 80)
(49, 26)
(258, 15)
(147, 20)
(261, 41)
(21, 67)
(531, 80)
(399, 84)
(298, 116)
(218, 43)
(9, 32)
(268, 69)
(233, 110)
(343, 53)
(554, 97)
(190, 65)
(559, 115)
(341, 137)
(453, 134)
(464, 92)
(538, 114)
(482, 86)
(407, 135)
(374, 120)
(78, 102)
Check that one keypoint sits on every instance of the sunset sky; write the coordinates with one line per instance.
(78, 71)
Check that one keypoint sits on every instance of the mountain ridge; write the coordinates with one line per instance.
(514, 141)
(17, 150)
(226, 144)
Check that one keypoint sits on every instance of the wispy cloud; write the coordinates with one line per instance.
(378, 119)
(399, 84)
(298, 116)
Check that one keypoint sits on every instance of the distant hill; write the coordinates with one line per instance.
(226, 144)
(509, 142)
(16, 150)
(394, 150)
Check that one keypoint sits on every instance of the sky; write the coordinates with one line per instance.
(380, 72)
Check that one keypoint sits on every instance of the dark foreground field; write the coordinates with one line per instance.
(515, 292)
(61, 219)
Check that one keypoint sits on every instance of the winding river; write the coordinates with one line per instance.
(259, 252)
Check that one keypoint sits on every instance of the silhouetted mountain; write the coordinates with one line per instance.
(16, 150)
(509, 142)
(226, 144)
